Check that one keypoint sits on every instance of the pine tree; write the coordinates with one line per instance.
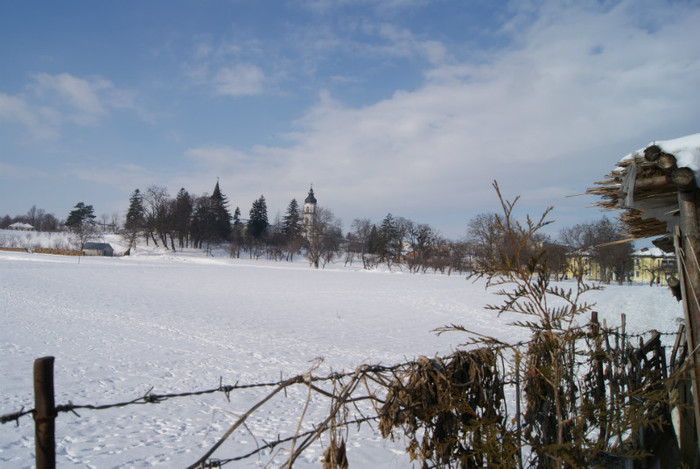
(135, 215)
(237, 218)
(221, 217)
(292, 229)
(257, 221)
(81, 216)
(291, 223)
(135, 219)
(182, 216)
(237, 234)
(81, 221)
(374, 244)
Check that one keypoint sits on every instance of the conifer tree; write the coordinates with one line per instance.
(258, 221)
(237, 218)
(81, 215)
(390, 244)
(135, 215)
(291, 223)
(374, 243)
(292, 229)
(237, 234)
(182, 216)
(81, 221)
(221, 217)
(135, 219)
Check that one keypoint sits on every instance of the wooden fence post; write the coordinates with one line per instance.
(45, 414)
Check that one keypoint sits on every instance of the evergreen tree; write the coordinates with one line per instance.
(202, 222)
(81, 221)
(387, 236)
(135, 219)
(292, 229)
(237, 234)
(291, 223)
(80, 217)
(374, 244)
(257, 221)
(182, 216)
(237, 218)
(221, 217)
(135, 215)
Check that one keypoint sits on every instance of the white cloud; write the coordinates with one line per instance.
(14, 172)
(79, 93)
(16, 110)
(545, 116)
(219, 158)
(402, 43)
(82, 101)
(55, 100)
(123, 176)
(239, 80)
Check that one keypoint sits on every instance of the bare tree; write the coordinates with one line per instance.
(604, 244)
(362, 228)
(156, 207)
(325, 236)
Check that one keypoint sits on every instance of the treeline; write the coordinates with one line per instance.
(36, 217)
(199, 222)
(203, 221)
(186, 220)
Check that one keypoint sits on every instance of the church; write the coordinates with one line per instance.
(309, 215)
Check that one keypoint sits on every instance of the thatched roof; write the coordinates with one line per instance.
(645, 184)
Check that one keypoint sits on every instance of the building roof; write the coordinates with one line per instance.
(97, 246)
(310, 199)
(21, 226)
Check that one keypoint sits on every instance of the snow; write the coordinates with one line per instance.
(685, 149)
(178, 322)
(653, 252)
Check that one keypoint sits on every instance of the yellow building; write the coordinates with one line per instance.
(649, 265)
(652, 265)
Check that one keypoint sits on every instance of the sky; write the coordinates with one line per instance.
(408, 107)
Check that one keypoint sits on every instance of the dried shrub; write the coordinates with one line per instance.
(60, 252)
(452, 411)
(334, 456)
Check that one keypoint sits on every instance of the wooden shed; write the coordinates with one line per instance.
(98, 249)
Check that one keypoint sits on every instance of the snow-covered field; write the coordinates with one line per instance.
(180, 322)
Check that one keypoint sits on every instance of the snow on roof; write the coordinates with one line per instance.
(652, 252)
(685, 149)
(644, 189)
(21, 226)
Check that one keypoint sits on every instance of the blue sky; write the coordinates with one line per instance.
(405, 106)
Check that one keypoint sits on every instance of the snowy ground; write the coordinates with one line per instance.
(178, 322)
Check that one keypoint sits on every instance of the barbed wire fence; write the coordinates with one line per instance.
(370, 384)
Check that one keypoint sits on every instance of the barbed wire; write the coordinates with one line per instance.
(151, 398)
(380, 374)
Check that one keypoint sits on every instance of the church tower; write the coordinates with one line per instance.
(309, 213)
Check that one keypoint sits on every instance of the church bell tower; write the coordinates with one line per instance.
(309, 213)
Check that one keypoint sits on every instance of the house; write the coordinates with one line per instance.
(21, 227)
(649, 265)
(652, 266)
(98, 249)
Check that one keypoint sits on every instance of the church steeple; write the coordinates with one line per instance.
(310, 199)
(309, 213)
